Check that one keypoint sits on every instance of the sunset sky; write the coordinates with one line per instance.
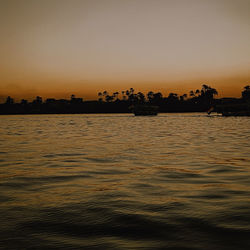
(55, 48)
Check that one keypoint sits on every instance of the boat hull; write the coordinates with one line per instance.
(145, 110)
(243, 113)
(145, 113)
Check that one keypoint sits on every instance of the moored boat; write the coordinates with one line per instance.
(237, 113)
(144, 110)
(242, 109)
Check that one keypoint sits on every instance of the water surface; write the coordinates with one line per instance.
(174, 181)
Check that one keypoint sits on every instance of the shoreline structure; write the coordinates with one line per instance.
(197, 101)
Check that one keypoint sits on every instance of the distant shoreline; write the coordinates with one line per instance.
(99, 113)
(202, 100)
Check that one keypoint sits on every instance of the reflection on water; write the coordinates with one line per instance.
(124, 182)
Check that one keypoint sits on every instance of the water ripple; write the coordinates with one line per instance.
(175, 181)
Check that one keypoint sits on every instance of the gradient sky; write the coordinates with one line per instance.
(54, 48)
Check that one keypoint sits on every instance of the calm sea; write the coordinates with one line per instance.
(174, 181)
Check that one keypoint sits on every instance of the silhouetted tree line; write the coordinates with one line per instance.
(199, 100)
(230, 105)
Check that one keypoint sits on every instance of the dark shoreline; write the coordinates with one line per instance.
(128, 113)
(199, 101)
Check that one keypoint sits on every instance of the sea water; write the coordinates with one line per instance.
(116, 181)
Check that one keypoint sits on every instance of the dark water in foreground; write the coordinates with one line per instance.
(175, 181)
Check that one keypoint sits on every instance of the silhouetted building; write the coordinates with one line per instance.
(24, 102)
(9, 100)
(246, 93)
(51, 101)
(38, 100)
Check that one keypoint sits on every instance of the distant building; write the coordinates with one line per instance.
(9, 100)
(62, 101)
(24, 102)
(38, 100)
(246, 93)
(50, 100)
(75, 100)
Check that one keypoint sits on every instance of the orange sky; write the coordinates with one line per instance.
(56, 48)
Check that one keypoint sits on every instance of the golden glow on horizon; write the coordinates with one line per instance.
(56, 48)
(226, 87)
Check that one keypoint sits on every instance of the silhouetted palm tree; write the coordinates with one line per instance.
(191, 93)
(183, 97)
(197, 92)
(140, 97)
(115, 95)
(100, 96)
(150, 96)
(157, 98)
(172, 97)
(205, 87)
(123, 95)
(207, 94)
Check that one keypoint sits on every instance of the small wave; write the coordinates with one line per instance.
(101, 160)
(63, 155)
